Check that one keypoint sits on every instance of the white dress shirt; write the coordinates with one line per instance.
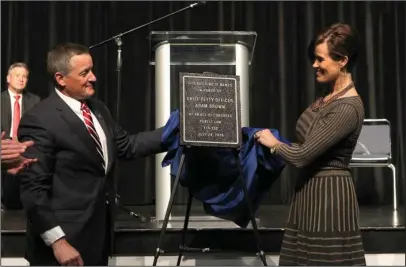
(12, 102)
(56, 233)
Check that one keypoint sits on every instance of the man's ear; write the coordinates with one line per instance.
(59, 77)
(8, 78)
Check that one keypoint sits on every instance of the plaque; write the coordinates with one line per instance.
(210, 110)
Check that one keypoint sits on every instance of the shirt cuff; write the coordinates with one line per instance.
(52, 235)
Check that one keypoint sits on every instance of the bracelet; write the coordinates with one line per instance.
(273, 150)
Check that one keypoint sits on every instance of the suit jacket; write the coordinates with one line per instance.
(10, 184)
(29, 100)
(68, 185)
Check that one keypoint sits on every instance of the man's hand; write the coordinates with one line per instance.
(20, 164)
(65, 254)
(11, 154)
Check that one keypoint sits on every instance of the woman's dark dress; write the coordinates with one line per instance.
(322, 227)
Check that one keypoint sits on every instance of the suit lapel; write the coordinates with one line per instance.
(80, 135)
(109, 138)
(25, 101)
(6, 111)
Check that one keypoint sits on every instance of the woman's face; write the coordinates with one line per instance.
(327, 69)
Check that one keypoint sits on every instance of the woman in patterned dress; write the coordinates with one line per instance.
(322, 227)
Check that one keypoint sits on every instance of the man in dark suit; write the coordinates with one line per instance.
(11, 109)
(76, 142)
(14, 102)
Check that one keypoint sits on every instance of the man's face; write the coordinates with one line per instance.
(17, 79)
(78, 83)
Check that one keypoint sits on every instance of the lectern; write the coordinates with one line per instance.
(172, 52)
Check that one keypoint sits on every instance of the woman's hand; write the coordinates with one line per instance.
(266, 138)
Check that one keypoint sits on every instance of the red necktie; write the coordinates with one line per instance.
(17, 115)
(92, 130)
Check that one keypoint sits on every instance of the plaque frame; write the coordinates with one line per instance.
(236, 143)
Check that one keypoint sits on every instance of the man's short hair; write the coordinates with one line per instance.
(59, 58)
(18, 65)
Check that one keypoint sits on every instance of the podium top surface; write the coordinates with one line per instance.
(217, 44)
(207, 36)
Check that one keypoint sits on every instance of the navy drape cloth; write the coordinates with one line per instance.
(211, 174)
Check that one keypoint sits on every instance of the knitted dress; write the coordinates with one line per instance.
(322, 227)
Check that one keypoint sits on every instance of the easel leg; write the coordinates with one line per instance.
(168, 210)
(250, 210)
(182, 246)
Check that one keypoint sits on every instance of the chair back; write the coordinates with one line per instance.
(374, 142)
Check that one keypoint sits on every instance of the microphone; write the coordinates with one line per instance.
(129, 212)
(118, 36)
(198, 3)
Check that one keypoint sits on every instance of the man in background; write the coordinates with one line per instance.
(14, 102)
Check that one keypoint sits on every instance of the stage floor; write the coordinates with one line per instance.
(268, 217)
(382, 228)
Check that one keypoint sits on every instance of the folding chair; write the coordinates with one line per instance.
(374, 149)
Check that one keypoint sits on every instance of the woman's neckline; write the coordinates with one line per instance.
(344, 97)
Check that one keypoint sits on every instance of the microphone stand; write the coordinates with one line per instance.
(117, 39)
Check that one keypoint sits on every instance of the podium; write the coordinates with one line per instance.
(172, 52)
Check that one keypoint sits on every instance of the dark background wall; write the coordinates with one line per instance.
(282, 82)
